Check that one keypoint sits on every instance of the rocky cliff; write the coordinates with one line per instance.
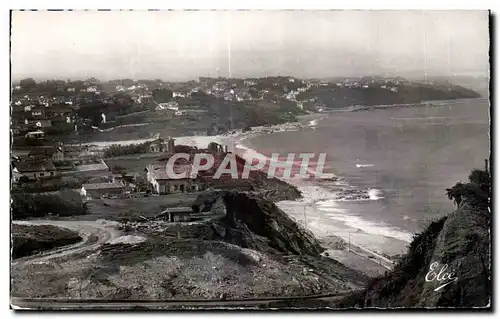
(255, 222)
(447, 265)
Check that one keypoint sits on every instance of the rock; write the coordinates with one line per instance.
(220, 230)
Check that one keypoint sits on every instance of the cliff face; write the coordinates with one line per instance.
(461, 243)
(464, 245)
(254, 222)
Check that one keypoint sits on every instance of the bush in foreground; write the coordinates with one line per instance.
(65, 203)
(28, 240)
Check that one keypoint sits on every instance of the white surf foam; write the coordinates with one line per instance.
(375, 194)
(364, 165)
(313, 123)
(370, 227)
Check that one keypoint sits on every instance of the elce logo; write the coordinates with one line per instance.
(443, 277)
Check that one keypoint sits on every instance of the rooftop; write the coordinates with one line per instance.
(34, 166)
(178, 210)
(102, 185)
(159, 171)
(44, 150)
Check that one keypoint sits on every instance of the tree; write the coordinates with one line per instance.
(162, 95)
(27, 83)
(477, 192)
(455, 193)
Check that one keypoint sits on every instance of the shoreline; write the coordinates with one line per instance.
(373, 262)
(236, 142)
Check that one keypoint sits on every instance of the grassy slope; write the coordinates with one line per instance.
(27, 240)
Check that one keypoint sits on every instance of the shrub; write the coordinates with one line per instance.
(65, 203)
(120, 150)
(477, 191)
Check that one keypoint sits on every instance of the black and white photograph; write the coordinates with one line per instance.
(250, 160)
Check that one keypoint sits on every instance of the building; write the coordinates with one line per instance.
(33, 170)
(37, 112)
(43, 123)
(178, 214)
(249, 83)
(56, 154)
(35, 134)
(158, 145)
(97, 190)
(178, 94)
(159, 181)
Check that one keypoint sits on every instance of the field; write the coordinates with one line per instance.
(134, 162)
(118, 209)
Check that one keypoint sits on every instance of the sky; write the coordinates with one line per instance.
(182, 45)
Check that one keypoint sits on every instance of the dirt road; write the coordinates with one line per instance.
(93, 233)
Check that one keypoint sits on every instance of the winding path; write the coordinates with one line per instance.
(93, 233)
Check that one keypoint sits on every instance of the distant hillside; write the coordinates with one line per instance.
(480, 84)
(338, 97)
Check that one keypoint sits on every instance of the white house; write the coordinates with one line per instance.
(178, 94)
(92, 89)
(43, 123)
(35, 134)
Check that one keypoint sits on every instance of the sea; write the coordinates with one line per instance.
(400, 159)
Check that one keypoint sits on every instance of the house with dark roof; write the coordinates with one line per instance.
(43, 123)
(161, 182)
(33, 169)
(35, 134)
(97, 190)
(56, 154)
(177, 214)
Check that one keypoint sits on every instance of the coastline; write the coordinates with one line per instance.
(359, 254)
(335, 238)
(342, 228)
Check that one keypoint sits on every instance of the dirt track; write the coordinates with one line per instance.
(100, 230)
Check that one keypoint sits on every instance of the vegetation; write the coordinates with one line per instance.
(117, 169)
(61, 128)
(28, 240)
(162, 95)
(477, 191)
(64, 203)
(120, 150)
(410, 93)
(47, 185)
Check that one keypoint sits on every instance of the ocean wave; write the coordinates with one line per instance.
(313, 123)
(364, 165)
(355, 195)
(370, 227)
